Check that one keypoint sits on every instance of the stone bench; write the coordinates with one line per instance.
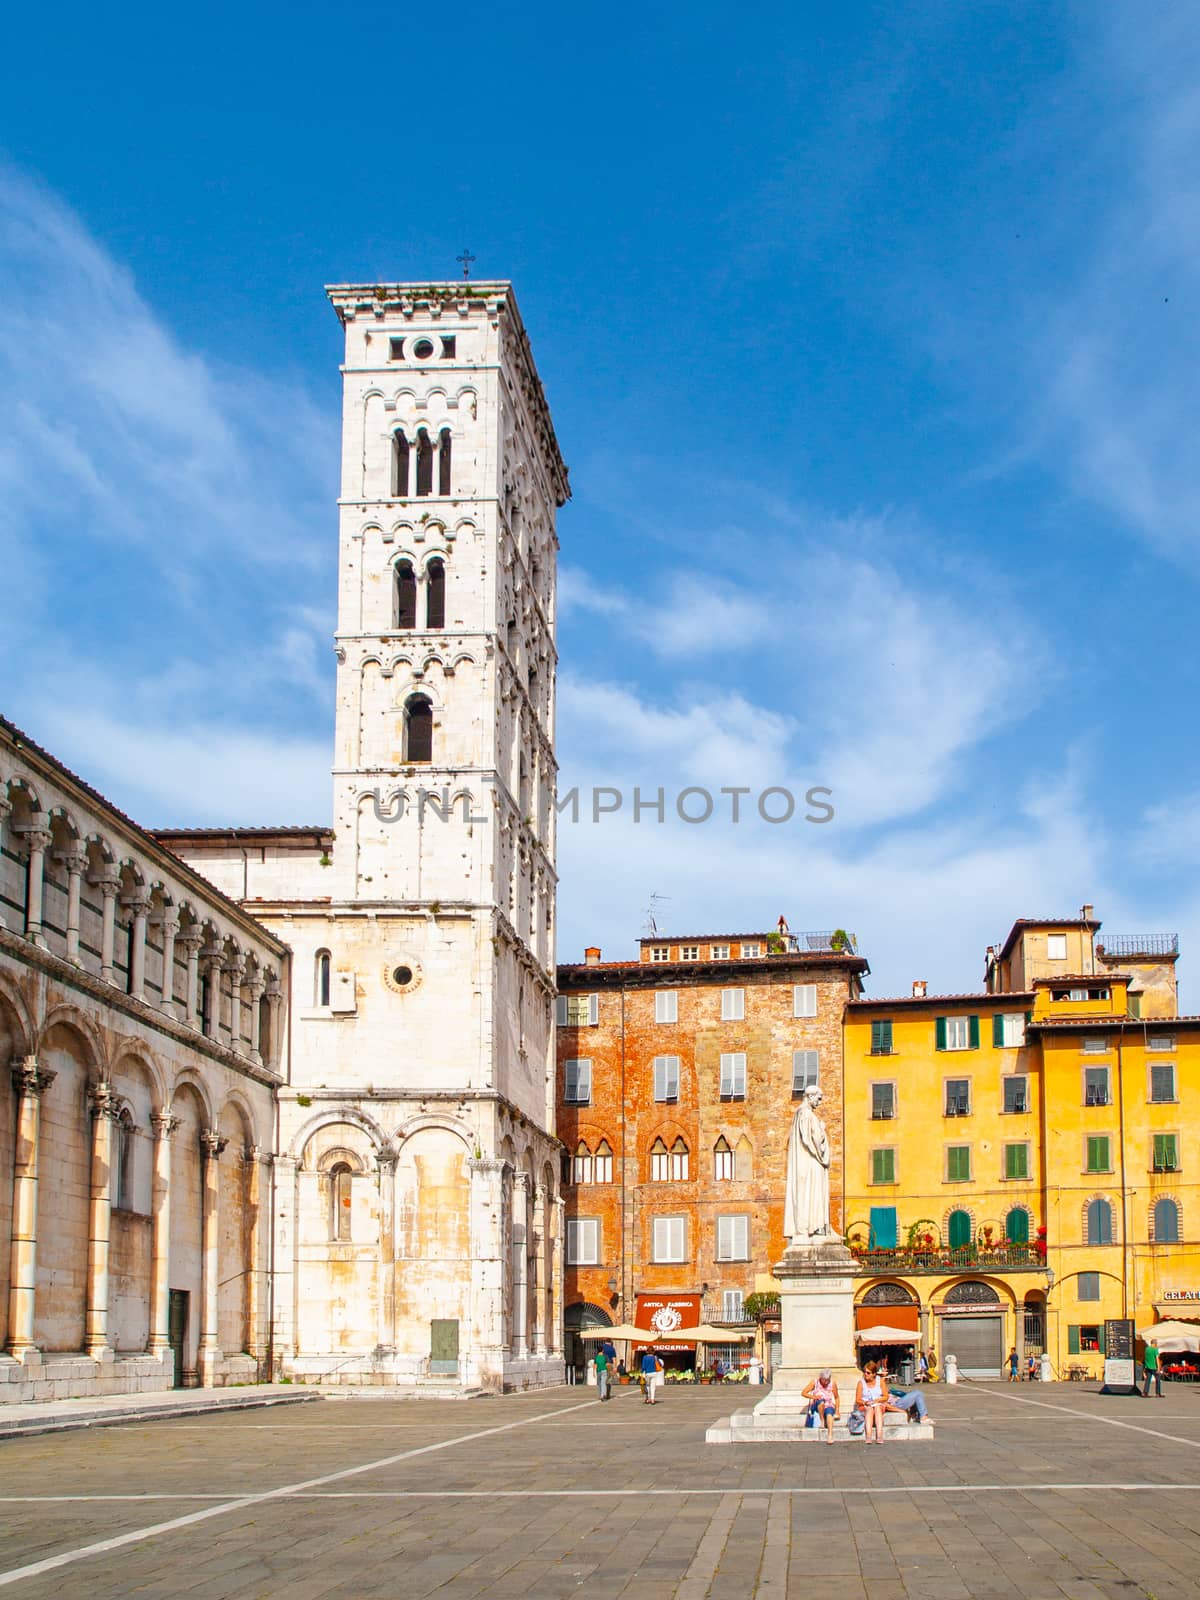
(752, 1427)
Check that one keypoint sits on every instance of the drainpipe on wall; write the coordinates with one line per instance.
(1124, 1189)
(625, 1316)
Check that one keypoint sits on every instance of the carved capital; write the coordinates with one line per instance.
(30, 1080)
(191, 939)
(255, 987)
(108, 884)
(163, 1123)
(168, 920)
(256, 1155)
(521, 1181)
(35, 834)
(212, 1142)
(387, 1156)
(73, 861)
(101, 1100)
(236, 968)
(136, 905)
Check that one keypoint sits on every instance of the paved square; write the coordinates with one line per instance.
(1041, 1491)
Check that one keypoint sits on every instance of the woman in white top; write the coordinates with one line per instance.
(823, 1400)
(871, 1398)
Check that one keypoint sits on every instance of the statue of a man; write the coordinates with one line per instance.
(806, 1211)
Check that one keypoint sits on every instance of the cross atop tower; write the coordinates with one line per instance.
(466, 258)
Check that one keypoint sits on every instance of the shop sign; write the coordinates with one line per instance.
(663, 1314)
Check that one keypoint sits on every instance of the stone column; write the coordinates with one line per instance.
(5, 813)
(37, 841)
(255, 986)
(102, 1104)
(169, 922)
(486, 1335)
(164, 1125)
(275, 1002)
(556, 1277)
(388, 1157)
(138, 908)
(211, 1146)
(210, 1022)
(258, 1228)
(31, 1082)
(540, 1279)
(109, 885)
(285, 1262)
(236, 968)
(74, 862)
(519, 1260)
(191, 942)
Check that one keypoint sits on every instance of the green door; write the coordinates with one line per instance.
(443, 1345)
(960, 1229)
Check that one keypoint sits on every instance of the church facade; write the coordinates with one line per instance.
(418, 1196)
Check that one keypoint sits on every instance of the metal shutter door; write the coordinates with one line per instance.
(978, 1342)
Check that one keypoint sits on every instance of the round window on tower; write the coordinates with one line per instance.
(423, 350)
(402, 975)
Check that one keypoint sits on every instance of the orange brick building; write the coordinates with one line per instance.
(678, 1075)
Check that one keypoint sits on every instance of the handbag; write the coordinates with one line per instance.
(856, 1422)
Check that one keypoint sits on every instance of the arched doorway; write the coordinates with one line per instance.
(575, 1319)
(972, 1327)
(893, 1310)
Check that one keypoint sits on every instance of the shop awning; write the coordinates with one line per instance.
(882, 1334)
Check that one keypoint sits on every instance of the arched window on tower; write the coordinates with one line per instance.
(406, 595)
(435, 594)
(602, 1163)
(322, 978)
(341, 1214)
(1099, 1222)
(424, 462)
(266, 1044)
(581, 1170)
(444, 462)
(399, 465)
(1166, 1222)
(722, 1160)
(418, 729)
(679, 1161)
(660, 1162)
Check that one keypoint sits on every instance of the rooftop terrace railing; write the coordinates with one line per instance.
(1138, 944)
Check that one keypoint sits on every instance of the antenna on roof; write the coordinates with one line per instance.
(651, 923)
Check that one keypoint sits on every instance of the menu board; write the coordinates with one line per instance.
(1118, 1339)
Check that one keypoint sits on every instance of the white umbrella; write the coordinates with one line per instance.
(1172, 1337)
(885, 1335)
(622, 1330)
(706, 1333)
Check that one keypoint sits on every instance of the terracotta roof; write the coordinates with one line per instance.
(1044, 922)
(1094, 1023)
(313, 830)
(1009, 997)
(656, 971)
(22, 741)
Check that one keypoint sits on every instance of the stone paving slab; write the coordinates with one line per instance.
(1039, 1493)
(54, 1416)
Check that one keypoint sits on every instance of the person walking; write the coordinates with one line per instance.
(823, 1403)
(871, 1398)
(1150, 1368)
(603, 1373)
(660, 1377)
(922, 1368)
(1014, 1366)
(649, 1373)
(1031, 1367)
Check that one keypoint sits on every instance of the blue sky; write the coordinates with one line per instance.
(871, 341)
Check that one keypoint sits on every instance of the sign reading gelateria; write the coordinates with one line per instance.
(662, 1313)
(1180, 1294)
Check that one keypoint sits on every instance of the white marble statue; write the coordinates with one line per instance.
(806, 1210)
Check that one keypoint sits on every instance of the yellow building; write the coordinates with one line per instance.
(1018, 1169)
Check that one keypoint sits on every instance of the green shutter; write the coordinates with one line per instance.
(1016, 1226)
(883, 1228)
(887, 1038)
(941, 1033)
(1164, 1151)
(1097, 1153)
(973, 1025)
(1073, 1340)
(960, 1230)
(958, 1163)
(883, 1166)
(1028, 1018)
(1103, 1331)
(997, 1030)
(1016, 1163)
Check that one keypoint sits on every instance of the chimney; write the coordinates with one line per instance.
(1085, 913)
(591, 955)
(919, 988)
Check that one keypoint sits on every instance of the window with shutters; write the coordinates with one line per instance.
(732, 1305)
(666, 1078)
(666, 1005)
(883, 1102)
(1056, 947)
(806, 1070)
(881, 1037)
(804, 1000)
(1016, 1162)
(1162, 1082)
(723, 1163)
(1016, 1226)
(577, 1081)
(669, 1239)
(1090, 1337)
(1008, 1030)
(1088, 1286)
(958, 1163)
(1161, 1041)
(733, 1005)
(1097, 1153)
(1099, 1222)
(583, 1241)
(578, 1010)
(733, 1238)
(679, 1162)
(603, 1162)
(581, 1166)
(1094, 1044)
(1165, 1152)
(1016, 1095)
(958, 1097)
(1095, 1086)
(957, 1033)
(883, 1165)
(958, 1230)
(733, 1075)
(1166, 1222)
